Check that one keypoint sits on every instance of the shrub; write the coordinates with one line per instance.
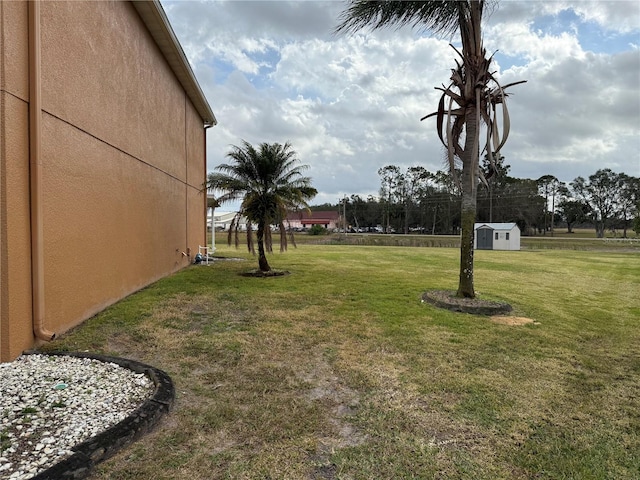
(317, 230)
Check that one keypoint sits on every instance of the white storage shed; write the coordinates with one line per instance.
(496, 236)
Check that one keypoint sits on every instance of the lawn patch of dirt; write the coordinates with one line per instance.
(512, 321)
(340, 402)
(447, 299)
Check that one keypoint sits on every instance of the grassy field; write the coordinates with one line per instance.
(579, 240)
(338, 371)
(591, 233)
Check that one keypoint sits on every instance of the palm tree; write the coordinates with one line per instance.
(470, 99)
(270, 184)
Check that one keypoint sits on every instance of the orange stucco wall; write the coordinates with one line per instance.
(122, 165)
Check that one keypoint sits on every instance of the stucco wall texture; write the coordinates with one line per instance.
(123, 164)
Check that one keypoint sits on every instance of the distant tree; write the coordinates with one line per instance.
(446, 199)
(495, 186)
(373, 211)
(549, 186)
(628, 200)
(600, 192)
(355, 205)
(414, 182)
(323, 207)
(424, 206)
(571, 210)
(509, 199)
(471, 99)
(523, 204)
(364, 212)
(390, 190)
(270, 184)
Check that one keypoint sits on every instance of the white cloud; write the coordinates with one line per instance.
(613, 15)
(273, 71)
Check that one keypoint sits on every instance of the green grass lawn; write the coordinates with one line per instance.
(339, 371)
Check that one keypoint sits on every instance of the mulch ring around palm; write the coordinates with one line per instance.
(447, 299)
(260, 274)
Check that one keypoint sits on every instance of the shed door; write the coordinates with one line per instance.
(485, 238)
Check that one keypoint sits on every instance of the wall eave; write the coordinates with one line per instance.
(157, 23)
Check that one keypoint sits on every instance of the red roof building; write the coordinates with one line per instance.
(304, 219)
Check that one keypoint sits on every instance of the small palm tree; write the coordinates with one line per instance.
(270, 184)
(470, 99)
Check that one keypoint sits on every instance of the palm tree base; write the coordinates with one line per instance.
(260, 274)
(447, 299)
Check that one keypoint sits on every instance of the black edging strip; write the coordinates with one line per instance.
(102, 446)
(450, 302)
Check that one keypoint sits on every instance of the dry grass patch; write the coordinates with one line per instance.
(338, 371)
(512, 321)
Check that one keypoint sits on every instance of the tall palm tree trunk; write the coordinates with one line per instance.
(262, 257)
(468, 210)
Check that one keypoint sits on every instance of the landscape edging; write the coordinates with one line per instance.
(98, 448)
(447, 299)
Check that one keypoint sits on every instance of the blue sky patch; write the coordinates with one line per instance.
(592, 37)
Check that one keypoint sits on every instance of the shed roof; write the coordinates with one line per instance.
(495, 226)
(158, 24)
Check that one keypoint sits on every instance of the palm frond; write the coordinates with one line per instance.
(439, 17)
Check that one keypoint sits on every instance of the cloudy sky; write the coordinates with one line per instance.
(273, 71)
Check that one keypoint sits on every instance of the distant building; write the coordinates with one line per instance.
(496, 236)
(304, 219)
(222, 221)
(330, 220)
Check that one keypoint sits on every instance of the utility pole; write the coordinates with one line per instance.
(490, 201)
(553, 206)
(345, 215)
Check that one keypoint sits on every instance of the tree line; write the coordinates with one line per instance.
(419, 201)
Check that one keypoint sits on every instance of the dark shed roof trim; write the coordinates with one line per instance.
(157, 22)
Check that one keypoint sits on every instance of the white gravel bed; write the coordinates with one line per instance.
(50, 403)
